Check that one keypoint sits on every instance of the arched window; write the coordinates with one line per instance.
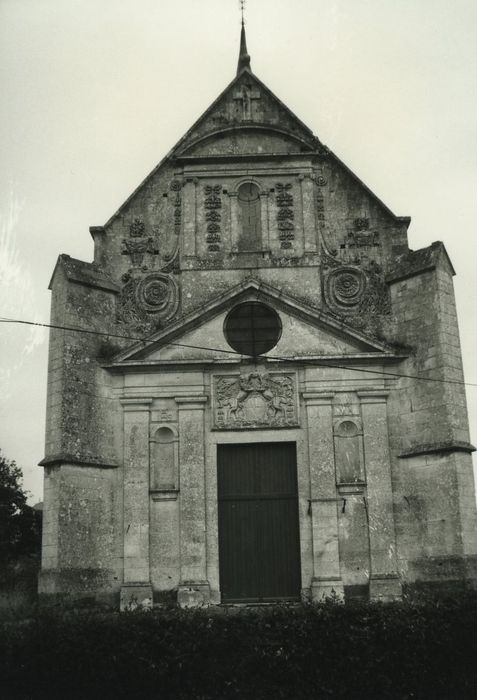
(250, 227)
(163, 459)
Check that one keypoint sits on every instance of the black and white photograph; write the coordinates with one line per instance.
(238, 376)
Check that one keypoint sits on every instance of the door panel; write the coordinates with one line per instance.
(259, 552)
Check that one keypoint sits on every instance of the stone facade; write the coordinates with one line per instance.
(365, 376)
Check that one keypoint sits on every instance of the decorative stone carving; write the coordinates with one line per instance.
(212, 203)
(244, 98)
(327, 260)
(136, 248)
(361, 236)
(136, 227)
(171, 260)
(284, 197)
(176, 186)
(158, 293)
(345, 286)
(320, 202)
(361, 224)
(323, 152)
(356, 293)
(285, 214)
(361, 239)
(376, 300)
(149, 301)
(346, 404)
(255, 400)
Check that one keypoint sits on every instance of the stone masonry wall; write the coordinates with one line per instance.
(433, 488)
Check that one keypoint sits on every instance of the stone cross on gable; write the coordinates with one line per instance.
(246, 95)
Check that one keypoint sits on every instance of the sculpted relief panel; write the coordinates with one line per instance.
(255, 400)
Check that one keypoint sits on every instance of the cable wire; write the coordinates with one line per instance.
(302, 360)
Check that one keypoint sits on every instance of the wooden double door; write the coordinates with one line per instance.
(259, 545)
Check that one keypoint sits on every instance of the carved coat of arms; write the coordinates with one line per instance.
(255, 400)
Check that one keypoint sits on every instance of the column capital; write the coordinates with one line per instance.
(194, 401)
(135, 403)
(318, 398)
(373, 395)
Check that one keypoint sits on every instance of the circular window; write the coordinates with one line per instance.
(252, 328)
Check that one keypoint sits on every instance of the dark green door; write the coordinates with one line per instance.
(259, 547)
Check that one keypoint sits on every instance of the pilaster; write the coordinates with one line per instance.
(194, 589)
(136, 590)
(308, 207)
(326, 563)
(233, 199)
(189, 218)
(384, 581)
(264, 220)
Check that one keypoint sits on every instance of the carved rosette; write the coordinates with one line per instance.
(357, 293)
(344, 287)
(255, 400)
(148, 302)
(158, 294)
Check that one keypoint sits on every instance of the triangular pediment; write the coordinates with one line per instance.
(306, 333)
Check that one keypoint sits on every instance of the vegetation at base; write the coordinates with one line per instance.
(399, 650)
(20, 536)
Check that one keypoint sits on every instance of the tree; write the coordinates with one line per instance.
(20, 525)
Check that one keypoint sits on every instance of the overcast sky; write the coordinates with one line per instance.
(95, 92)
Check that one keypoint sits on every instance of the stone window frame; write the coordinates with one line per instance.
(165, 491)
(337, 433)
(263, 194)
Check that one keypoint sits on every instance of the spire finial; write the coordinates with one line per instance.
(244, 58)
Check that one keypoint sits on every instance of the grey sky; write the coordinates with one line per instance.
(95, 93)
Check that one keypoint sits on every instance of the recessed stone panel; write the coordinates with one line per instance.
(255, 400)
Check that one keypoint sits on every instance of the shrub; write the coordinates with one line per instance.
(399, 650)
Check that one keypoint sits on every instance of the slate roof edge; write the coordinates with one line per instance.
(93, 277)
(415, 262)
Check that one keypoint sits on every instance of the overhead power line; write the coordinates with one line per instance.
(394, 375)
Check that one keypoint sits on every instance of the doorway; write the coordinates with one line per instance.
(259, 546)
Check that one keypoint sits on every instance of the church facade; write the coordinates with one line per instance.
(255, 390)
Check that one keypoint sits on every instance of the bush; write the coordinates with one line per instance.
(327, 651)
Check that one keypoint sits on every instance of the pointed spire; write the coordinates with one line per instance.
(244, 58)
